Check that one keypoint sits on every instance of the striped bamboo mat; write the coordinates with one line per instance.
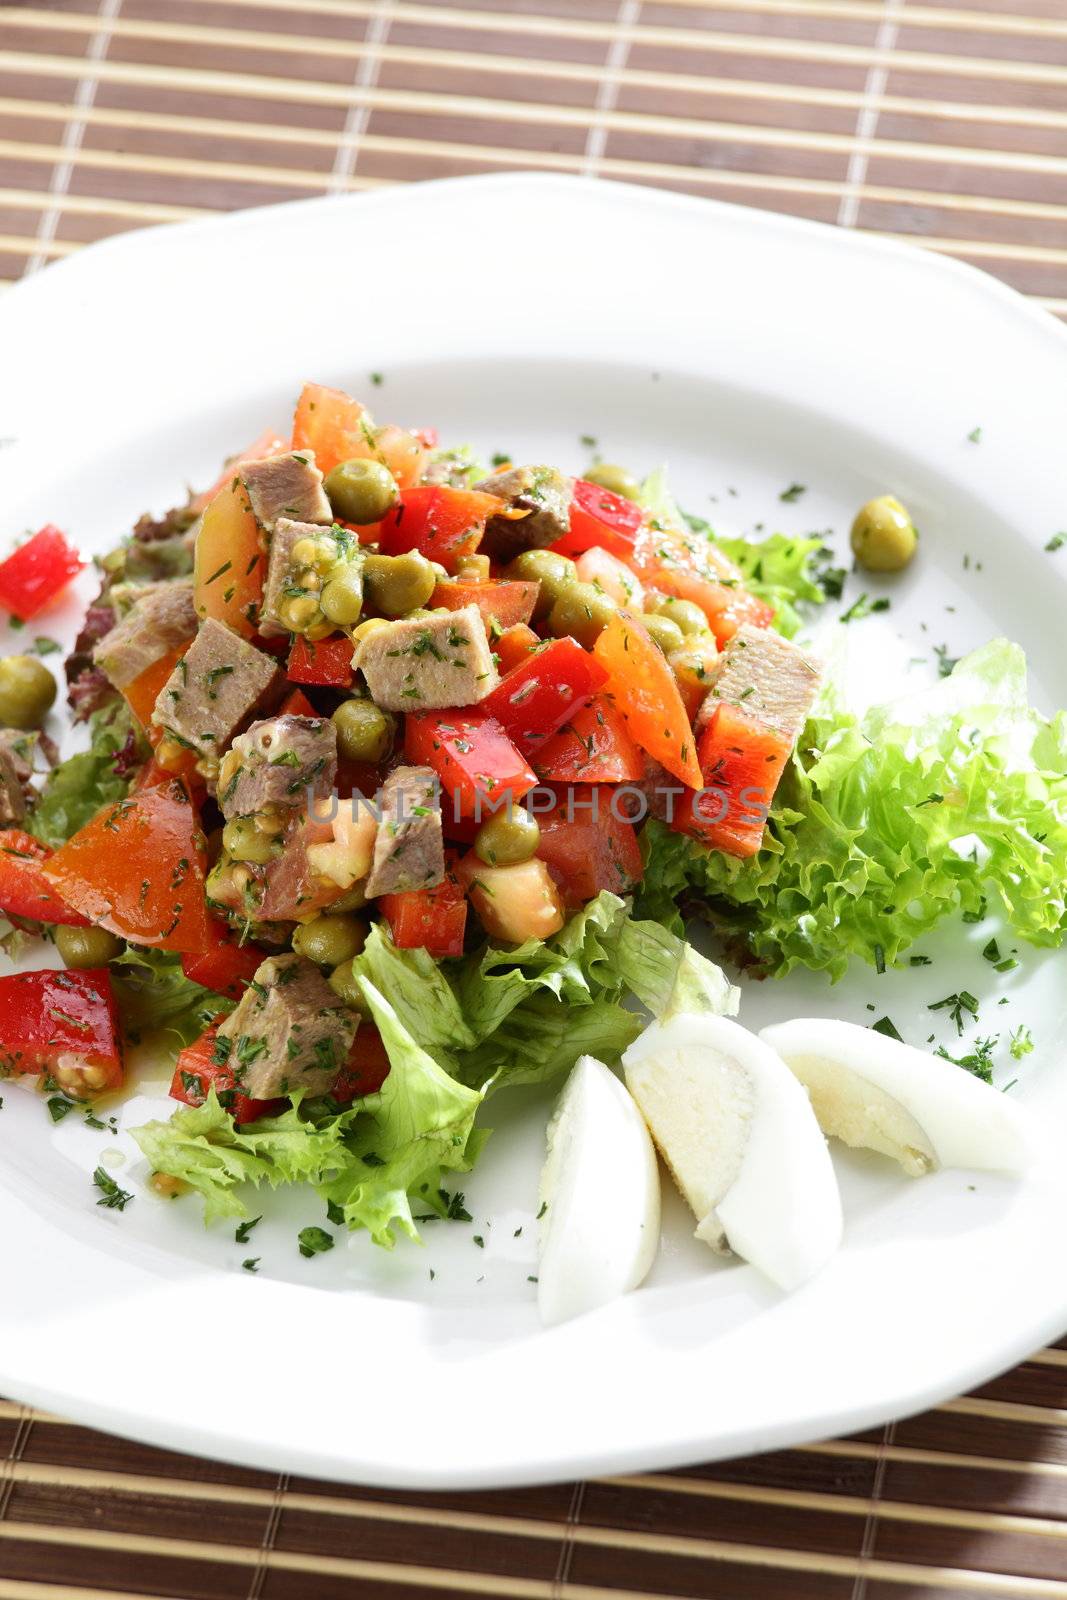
(943, 123)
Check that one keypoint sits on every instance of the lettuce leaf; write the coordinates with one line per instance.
(668, 976)
(155, 996)
(886, 824)
(79, 786)
(204, 1147)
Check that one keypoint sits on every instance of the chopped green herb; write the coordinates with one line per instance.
(244, 1229)
(887, 1026)
(793, 493)
(956, 1005)
(59, 1107)
(111, 1196)
(251, 1263)
(314, 1241)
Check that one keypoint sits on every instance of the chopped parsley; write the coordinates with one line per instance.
(244, 1229)
(314, 1241)
(793, 493)
(886, 1026)
(1057, 542)
(111, 1196)
(975, 436)
(956, 1005)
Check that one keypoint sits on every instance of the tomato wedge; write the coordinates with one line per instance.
(230, 562)
(514, 645)
(197, 1071)
(444, 524)
(601, 519)
(64, 1024)
(37, 572)
(434, 920)
(24, 889)
(506, 603)
(594, 746)
(742, 760)
(642, 686)
(138, 869)
(690, 567)
(472, 756)
(586, 847)
(338, 428)
(141, 695)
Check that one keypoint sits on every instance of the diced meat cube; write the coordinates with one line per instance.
(409, 851)
(429, 663)
(291, 583)
(286, 486)
(290, 1031)
(158, 621)
(286, 534)
(770, 678)
(219, 684)
(544, 494)
(12, 797)
(276, 762)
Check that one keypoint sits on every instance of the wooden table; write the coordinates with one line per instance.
(945, 123)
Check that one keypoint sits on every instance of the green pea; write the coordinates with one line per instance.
(615, 478)
(883, 535)
(686, 614)
(87, 947)
(361, 491)
(583, 611)
(27, 692)
(551, 571)
(395, 585)
(342, 598)
(342, 981)
(328, 941)
(364, 731)
(243, 841)
(506, 839)
(667, 634)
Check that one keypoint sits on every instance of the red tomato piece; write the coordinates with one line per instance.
(327, 662)
(429, 438)
(338, 428)
(141, 695)
(227, 967)
(297, 704)
(690, 567)
(198, 1070)
(593, 747)
(138, 869)
(24, 889)
(587, 847)
(365, 1070)
(472, 756)
(742, 760)
(37, 572)
(644, 691)
(514, 646)
(434, 920)
(535, 699)
(444, 524)
(64, 1024)
(600, 518)
(506, 603)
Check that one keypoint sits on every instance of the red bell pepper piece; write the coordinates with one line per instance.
(535, 699)
(37, 572)
(24, 889)
(472, 755)
(586, 846)
(434, 920)
(137, 869)
(646, 696)
(198, 1069)
(327, 662)
(602, 519)
(506, 602)
(443, 523)
(514, 646)
(297, 704)
(742, 760)
(64, 1024)
(594, 746)
(365, 1070)
(226, 967)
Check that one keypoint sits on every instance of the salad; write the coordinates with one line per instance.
(403, 776)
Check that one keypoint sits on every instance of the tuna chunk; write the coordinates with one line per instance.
(409, 851)
(290, 1031)
(276, 762)
(544, 494)
(429, 662)
(158, 621)
(286, 486)
(288, 579)
(768, 677)
(12, 797)
(219, 683)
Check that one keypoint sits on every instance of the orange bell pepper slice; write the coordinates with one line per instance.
(642, 686)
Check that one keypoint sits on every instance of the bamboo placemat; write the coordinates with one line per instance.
(943, 123)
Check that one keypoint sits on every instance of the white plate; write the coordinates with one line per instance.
(750, 351)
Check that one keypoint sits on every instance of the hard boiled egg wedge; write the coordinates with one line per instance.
(875, 1093)
(600, 1193)
(737, 1131)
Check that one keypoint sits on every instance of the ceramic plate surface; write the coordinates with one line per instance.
(749, 352)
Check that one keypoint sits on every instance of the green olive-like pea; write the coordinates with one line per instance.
(27, 692)
(364, 731)
(883, 535)
(395, 585)
(87, 947)
(667, 634)
(353, 899)
(243, 841)
(328, 941)
(342, 598)
(551, 571)
(361, 491)
(509, 837)
(686, 614)
(610, 476)
(342, 981)
(583, 611)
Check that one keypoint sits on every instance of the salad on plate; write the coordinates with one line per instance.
(402, 777)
